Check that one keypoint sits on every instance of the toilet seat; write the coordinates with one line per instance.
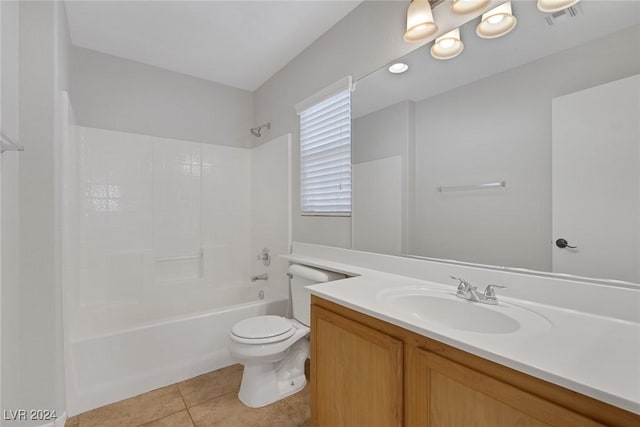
(262, 330)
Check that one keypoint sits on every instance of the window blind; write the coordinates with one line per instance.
(325, 156)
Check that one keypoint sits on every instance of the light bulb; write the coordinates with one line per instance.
(468, 6)
(420, 24)
(551, 6)
(447, 43)
(448, 46)
(495, 19)
(497, 22)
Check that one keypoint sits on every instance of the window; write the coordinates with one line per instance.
(325, 152)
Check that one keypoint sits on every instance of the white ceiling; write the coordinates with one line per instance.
(236, 43)
(532, 39)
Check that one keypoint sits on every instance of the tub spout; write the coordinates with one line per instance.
(264, 276)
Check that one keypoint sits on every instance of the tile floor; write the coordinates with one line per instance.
(209, 400)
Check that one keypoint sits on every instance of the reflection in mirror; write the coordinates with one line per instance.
(551, 110)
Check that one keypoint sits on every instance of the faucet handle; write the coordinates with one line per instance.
(457, 278)
(490, 293)
(463, 285)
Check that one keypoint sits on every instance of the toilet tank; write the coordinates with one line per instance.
(302, 276)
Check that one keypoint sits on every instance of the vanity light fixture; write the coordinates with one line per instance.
(420, 24)
(551, 6)
(468, 6)
(447, 46)
(497, 22)
(398, 68)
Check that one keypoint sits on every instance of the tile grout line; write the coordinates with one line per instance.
(177, 387)
(142, 394)
(157, 419)
(168, 415)
(182, 398)
(212, 399)
(186, 406)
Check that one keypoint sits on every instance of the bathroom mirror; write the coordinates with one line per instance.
(522, 152)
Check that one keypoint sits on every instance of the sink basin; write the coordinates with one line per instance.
(426, 305)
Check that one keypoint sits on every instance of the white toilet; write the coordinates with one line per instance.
(273, 349)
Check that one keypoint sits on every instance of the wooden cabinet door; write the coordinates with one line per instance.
(442, 393)
(356, 374)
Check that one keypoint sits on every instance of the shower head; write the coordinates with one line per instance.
(257, 130)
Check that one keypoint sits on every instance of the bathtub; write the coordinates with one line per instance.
(123, 350)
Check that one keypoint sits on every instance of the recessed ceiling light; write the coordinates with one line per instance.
(398, 68)
(447, 46)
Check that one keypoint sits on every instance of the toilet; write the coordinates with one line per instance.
(273, 349)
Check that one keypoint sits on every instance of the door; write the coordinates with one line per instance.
(356, 374)
(596, 181)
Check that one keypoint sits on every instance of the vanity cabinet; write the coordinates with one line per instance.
(367, 372)
(364, 385)
(446, 393)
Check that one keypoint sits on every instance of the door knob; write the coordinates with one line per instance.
(562, 243)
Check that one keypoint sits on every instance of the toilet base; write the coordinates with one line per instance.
(265, 383)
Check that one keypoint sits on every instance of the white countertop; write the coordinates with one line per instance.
(591, 354)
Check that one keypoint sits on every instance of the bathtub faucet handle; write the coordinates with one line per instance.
(265, 257)
(264, 276)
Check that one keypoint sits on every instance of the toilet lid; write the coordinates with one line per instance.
(273, 328)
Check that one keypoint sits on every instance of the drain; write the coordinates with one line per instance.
(261, 294)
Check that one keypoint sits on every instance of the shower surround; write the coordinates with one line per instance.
(160, 238)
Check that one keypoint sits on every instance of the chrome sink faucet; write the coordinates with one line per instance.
(470, 292)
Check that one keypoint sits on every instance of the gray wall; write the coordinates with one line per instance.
(119, 94)
(387, 133)
(381, 134)
(499, 128)
(37, 267)
(360, 43)
(36, 361)
(9, 232)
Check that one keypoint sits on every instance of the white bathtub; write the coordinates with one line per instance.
(140, 351)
